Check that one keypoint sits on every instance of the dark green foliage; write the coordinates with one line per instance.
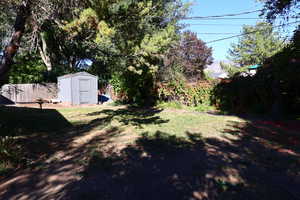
(126, 40)
(27, 69)
(135, 88)
(272, 90)
(238, 95)
(276, 8)
(141, 90)
(103, 71)
(258, 43)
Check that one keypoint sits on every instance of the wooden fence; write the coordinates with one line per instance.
(28, 93)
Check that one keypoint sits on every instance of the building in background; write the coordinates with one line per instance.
(215, 71)
(253, 69)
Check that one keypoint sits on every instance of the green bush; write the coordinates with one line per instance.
(273, 90)
(189, 94)
(28, 69)
(130, 87)
(235, 95)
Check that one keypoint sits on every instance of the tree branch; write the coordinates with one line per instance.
(12, 48)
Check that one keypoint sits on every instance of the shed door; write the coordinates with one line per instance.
(84, 91)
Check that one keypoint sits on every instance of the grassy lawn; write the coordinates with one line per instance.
(163, 152)
(172, 121)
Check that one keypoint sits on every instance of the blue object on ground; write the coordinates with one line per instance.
(102, 98)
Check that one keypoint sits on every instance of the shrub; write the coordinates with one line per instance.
(134, 88)
(272, 90)
(189, 94)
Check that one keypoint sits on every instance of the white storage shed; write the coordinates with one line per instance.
(79, 88)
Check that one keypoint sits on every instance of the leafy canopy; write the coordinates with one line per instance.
(129, 38)
(275, 8)
(258, 43)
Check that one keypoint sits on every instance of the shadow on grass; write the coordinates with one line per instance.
(132, 116)
(251, 165)
(41, 133)
(19, 121)
(27, 134)
(163, 166)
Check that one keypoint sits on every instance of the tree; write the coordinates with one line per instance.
(29, 69)
(195, 55)
(130, 37)
(32, 14)
(189, 56)
(6, 21)
(23, 13)
(257, 43)
(274, 8)
(127, 37)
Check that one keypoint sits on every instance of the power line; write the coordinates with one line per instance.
(216, 33)
(239, 35)
(196, 24)
(216, 16)
(226, 38)
(230, 33)
(227, 18)
(224, 15)
(214, 24)
(221, 18)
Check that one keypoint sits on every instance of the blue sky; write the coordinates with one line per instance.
(230, 26)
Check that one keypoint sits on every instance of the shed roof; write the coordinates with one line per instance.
(76, 74)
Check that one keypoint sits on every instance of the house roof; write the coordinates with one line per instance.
(215, 70)
(76, 74)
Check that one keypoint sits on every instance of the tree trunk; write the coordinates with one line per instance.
(44, 52)
(11, 49)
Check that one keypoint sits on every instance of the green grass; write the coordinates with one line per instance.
(176, 121)
(36, 128)
(179, 122)
(122, 138)
(116, 125)
(177, 105)
(172, 104)
(172, 121)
